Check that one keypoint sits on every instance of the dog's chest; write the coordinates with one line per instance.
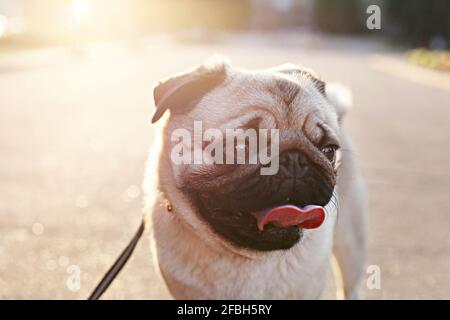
(197, 272)
(282, 276)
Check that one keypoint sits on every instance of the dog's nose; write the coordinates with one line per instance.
(294, 163)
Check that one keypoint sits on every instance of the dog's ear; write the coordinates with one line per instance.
(339, 96)
(296, 70)
(183, 91)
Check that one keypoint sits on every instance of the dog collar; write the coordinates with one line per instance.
(168, 205)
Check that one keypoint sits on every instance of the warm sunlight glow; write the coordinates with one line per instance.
(3, 24)
(77, 13)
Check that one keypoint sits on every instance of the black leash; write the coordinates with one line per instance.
(112, 273)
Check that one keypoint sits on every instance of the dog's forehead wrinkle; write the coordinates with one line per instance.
(324, 112)
(328, 113)
(307, 130)
(277, 99)
(328, 132)
(297, 93)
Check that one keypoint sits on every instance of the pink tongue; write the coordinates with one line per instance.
(309, 217)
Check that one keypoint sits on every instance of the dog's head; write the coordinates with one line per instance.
(241, 205)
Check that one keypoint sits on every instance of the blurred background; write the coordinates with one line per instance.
(76, 79)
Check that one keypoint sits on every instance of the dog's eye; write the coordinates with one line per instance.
(330, 152)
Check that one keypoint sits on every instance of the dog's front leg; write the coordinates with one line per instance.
(349, 250)
(350, 239)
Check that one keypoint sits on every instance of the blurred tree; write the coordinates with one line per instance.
(162, 15)
(424, 23)
(344, 16)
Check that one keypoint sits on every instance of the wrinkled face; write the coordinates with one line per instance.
(229, 197)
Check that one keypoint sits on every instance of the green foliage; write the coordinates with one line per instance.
(439, 60)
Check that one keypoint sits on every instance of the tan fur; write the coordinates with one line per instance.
(198, 264)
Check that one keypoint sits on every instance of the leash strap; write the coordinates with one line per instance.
(114, 270)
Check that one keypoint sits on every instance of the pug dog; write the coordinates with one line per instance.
(226, 231)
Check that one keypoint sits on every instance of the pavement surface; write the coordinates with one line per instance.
(75, 133)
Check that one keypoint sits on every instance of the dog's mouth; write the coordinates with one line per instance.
(266, 212)
(288, 215)
(278, 225)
